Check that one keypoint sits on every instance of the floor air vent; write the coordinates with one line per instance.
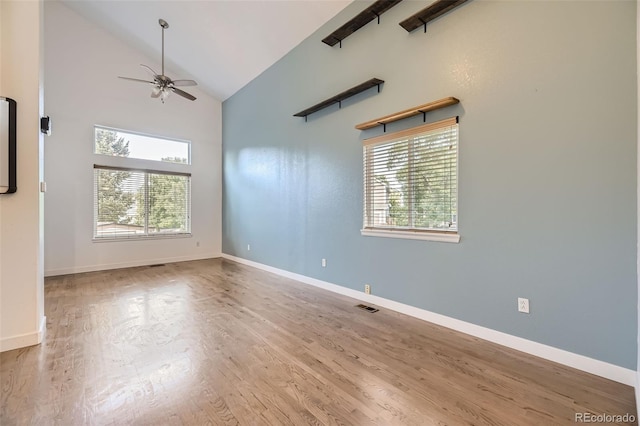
(156, 265)
(367, 308)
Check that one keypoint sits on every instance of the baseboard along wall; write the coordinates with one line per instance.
(570, 359)
(131, 264)
(24, 340)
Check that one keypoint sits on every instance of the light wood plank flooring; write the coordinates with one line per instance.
(216, 342)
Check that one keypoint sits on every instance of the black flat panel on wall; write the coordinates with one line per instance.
(7, 146)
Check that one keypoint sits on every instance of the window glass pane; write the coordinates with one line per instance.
(126, 144)
(435, 181)
(117, 206)
(411, 183)
(168, 203)
(390, 169)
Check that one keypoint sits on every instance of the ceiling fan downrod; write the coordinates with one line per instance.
(164, 24)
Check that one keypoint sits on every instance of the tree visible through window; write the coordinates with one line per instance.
(113, 200)
(132, 202)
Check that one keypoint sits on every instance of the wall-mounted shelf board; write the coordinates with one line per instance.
(340, 97)
(420, 109)
(431, 12)
(359, 21)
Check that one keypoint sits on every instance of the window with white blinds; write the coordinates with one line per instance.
(140, 203)
(411, 181)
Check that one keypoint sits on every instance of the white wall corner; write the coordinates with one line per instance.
(637, 382)
(580, 362)
(637, 393)
(24, 340)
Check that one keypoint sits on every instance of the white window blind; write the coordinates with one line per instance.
(411, 179)
(132, 203)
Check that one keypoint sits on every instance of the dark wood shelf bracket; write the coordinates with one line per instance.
(340, 97)
(436, 9)
(359, 21)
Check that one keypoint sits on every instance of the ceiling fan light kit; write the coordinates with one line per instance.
(163, 85)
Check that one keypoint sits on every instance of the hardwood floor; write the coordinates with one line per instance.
(216, 342)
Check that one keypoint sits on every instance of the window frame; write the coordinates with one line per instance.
(451, 236)
(148, 167)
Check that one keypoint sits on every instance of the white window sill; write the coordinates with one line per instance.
(140, 238)
(412, 235)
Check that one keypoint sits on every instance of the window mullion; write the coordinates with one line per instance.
(146, 203)
(410, 179)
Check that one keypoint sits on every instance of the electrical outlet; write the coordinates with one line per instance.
(248, 247)
(523, 305)
(197, 243)
(367, 289)
(324, 263)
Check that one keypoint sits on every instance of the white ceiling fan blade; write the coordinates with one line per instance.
(184, 83)
(137, 79)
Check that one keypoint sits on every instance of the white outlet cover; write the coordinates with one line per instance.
(523, 305)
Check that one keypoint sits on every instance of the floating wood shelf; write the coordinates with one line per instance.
(359, 21)
(440, 7)
(420, 109)
(340, 97)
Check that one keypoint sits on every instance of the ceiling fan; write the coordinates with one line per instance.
(163, 85)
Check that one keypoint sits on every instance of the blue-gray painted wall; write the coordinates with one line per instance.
(547, 197)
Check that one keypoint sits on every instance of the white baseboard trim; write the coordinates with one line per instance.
(129, 264)
(24, 340)
(580, 362)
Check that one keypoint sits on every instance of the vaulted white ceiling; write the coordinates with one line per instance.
(221, 44)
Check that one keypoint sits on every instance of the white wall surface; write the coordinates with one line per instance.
(21, 244)
(82, 62)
